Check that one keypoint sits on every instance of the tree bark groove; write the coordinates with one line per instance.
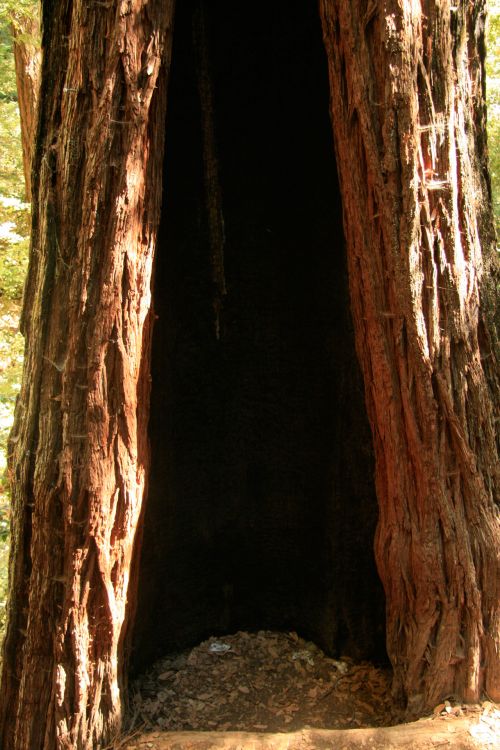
(407, 86)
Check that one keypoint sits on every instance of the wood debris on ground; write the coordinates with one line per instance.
(264, 682)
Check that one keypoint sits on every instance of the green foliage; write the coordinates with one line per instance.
(13, 259)
(12, 13)
(7, 74)
(14, 233)
(11, 160)
(15, 9)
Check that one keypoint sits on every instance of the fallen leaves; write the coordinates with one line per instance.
(264, 682)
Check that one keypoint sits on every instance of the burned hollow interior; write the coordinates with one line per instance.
(261, 508)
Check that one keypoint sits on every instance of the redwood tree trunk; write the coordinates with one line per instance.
(27, 58)
(407, 86)
(78, 449)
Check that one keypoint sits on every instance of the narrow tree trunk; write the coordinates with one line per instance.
(27, 58)
(78, 449)
(407, 86)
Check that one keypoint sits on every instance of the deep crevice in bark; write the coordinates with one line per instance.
(262, 509)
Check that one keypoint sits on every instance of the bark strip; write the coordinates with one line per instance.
(407, 92)
(78, 449)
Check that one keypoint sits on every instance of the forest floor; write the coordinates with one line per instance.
(275, 691)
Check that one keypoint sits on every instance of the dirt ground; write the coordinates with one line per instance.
(276, 691)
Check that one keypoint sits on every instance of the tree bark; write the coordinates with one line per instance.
(407, 93)
(27, 58)
(407, 87)
(78, 449)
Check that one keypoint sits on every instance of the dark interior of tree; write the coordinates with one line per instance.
(261, 509)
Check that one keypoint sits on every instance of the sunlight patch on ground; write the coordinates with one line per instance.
(487, 730)
(10, 202)
(7, 234)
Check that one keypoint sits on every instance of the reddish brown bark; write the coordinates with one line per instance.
(78, 449)
(407, 85)
(27, 58)
(408, 118)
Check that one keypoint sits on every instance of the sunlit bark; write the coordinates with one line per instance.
(407, 82)
(78, 449)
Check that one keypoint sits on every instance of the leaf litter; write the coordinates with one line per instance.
(264, 682)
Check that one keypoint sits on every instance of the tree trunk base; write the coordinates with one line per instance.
(473, 732)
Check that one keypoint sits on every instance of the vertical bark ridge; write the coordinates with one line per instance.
(407, 111)
(79, 446)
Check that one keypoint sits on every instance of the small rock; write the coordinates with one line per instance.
(217, 647)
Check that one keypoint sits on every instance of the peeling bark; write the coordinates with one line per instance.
(407, 87)
(78, 449)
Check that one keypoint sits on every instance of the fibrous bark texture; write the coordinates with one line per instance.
(78, 449)
(407, 85)
(27, 58)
